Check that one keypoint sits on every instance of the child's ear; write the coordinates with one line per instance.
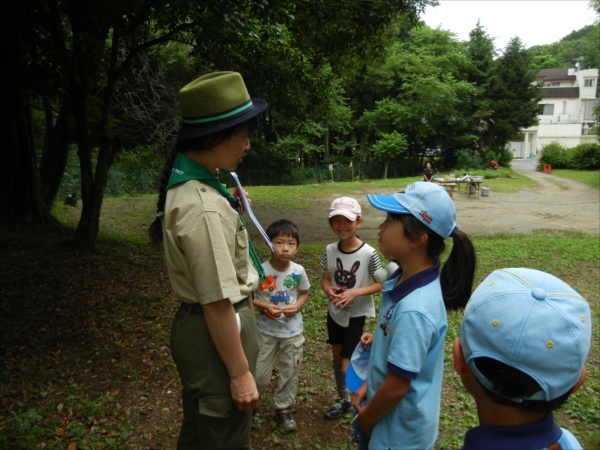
(460, 363)
(581, 380)
(359, 222)
(419, 240)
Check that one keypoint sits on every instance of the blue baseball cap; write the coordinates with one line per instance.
(428, 202)
(358, 367)
(532, 321)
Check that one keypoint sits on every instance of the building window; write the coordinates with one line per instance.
(547, 110)
(588, 82)
(555, 83)
(564, 111)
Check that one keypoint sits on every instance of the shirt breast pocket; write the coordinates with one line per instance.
(241, 253)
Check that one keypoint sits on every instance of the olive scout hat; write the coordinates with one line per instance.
(215, 102)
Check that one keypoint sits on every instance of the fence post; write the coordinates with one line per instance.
(143, 182)
(116, 184)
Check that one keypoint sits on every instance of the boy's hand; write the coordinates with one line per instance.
(290, 310)
(271, 311)
(366, 339)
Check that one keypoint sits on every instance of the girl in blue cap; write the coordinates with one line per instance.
(404, 378)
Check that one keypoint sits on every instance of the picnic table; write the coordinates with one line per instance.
(457, 184)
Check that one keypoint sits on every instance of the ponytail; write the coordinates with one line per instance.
(458, 272)
(155, 231)
(456, 278)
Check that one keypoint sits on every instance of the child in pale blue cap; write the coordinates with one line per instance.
(404, 379)
(524, 340)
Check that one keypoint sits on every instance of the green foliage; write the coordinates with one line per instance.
(585, 156)
(144, 158)
(582, 157)
(582, 42)
(390, 145)
(467, 159)
(503, 157)
(554, 154)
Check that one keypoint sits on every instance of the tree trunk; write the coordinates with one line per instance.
(385, 169)
(54, 156)
(20, 182)
(327, 151)
(21, 193)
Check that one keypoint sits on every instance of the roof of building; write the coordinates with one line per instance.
(560, 92)
(555, 74)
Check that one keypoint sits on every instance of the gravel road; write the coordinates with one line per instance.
(557, 204)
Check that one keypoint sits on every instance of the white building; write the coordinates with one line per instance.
(566, 111)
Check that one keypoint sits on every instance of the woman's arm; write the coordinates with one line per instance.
(222, 326)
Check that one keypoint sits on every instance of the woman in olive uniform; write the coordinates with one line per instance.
(211, 263)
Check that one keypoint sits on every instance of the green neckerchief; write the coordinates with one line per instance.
(185, 169)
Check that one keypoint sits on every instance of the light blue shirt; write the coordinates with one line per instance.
(409, 341)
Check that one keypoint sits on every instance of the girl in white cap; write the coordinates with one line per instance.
(348, 268)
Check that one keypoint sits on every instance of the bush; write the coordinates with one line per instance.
(504, 157)
(556, 155)
(585, 157)
(467, 159)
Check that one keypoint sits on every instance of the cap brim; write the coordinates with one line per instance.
(386, 203)
(353, 381)
(193, 131)
(348, 215)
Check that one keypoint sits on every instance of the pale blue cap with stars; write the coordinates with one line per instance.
(532, 321)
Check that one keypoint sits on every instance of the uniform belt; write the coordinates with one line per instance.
(196, 308)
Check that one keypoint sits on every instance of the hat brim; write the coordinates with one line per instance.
(386, 203)
(193, 131)
(347, 214)
(353, 381)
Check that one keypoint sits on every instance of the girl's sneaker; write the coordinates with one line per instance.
(285, 419)
(339, 407)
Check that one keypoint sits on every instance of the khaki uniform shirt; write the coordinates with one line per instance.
(206, 246)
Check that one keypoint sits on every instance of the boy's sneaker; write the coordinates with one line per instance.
(285, 419)
(339, 407)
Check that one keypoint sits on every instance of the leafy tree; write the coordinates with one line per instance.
(514, 97)
(81, 53)
(389, 146)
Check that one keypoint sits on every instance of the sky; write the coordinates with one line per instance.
(536, 22)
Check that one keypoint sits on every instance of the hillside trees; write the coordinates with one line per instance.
(579, 43)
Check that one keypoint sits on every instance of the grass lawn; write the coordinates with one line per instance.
(96, 401)
(588, 177)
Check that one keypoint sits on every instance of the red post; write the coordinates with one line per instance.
(549, 168)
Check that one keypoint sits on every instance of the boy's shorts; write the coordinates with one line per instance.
(348, 337)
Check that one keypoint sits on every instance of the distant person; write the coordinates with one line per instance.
(404, 379)
(211, 263)
(348, 282)
(280, 300)
(493, 165)
(428, 173)
(523, 343)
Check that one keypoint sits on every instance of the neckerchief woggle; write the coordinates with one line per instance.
(185, 169)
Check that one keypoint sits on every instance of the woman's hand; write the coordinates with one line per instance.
(236, 194)
(244, 392)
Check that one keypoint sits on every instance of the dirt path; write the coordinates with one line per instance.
(558, 204)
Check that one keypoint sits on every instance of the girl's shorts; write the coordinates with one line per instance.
(348, 337)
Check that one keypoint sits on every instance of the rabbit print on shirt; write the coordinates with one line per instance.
(345, 279)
